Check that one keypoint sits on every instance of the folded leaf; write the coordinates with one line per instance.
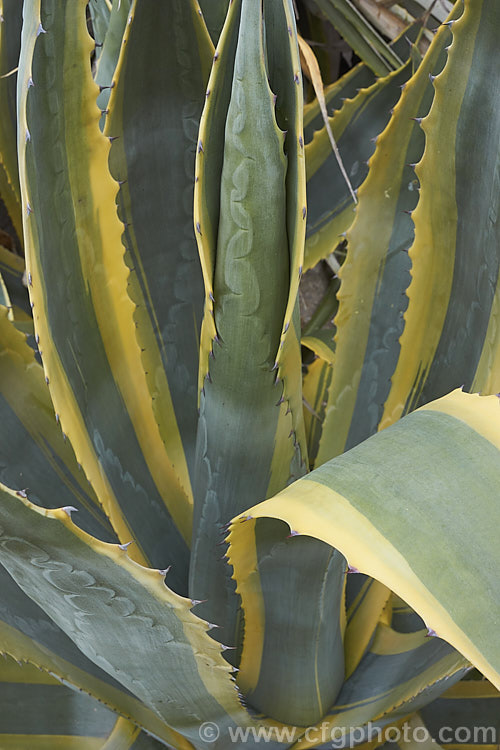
(408, 483)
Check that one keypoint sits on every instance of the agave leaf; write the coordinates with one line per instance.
(214, 13)
(451, 335)
(290, 587)
(10, 42)
(12, 269)
(413, 735)
(366, 600)
(315, 391)
(403, 484)
(358, 77)
(416, 669)
(91, 356)
(100, 13)
(330, 203)
(376, 271)
(404, 619)
(122, 616)
(346, 87)
(34, 456)
(360, 35)
(361, 119)
(471, 704)
(250, 405)
(110, 51)
(156, 176)
(27, 634)
(58, 717)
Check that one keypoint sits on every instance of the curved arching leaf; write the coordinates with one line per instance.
(91, 356)
(384, 505)
(28, 635)
(156, 178)
(35, 458)
(355, 126)
(451, 336)
(376, 272)
(123, 618)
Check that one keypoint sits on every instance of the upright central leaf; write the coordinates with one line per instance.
(252, 265)
(246, 427)
(250, 220)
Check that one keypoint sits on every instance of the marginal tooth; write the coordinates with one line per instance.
(69, 509)
(125, 546)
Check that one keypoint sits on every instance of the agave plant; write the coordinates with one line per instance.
(255, 557)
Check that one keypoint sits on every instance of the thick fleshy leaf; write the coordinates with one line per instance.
(35, 458)
(110, 51)
(10, 43)
(366, 601)
(354, 126)
(358, 77)
(384, 505)
(100, 13)
(250, 222)
(214, 13)
(360, 108)
(398, 675)
(156, 176)
(38, 712)
(290, 588)
(315, 390)
(27, 634)
(124, 619)
(468, 712)
(376, 272)
(451, 336)
(91, 356)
